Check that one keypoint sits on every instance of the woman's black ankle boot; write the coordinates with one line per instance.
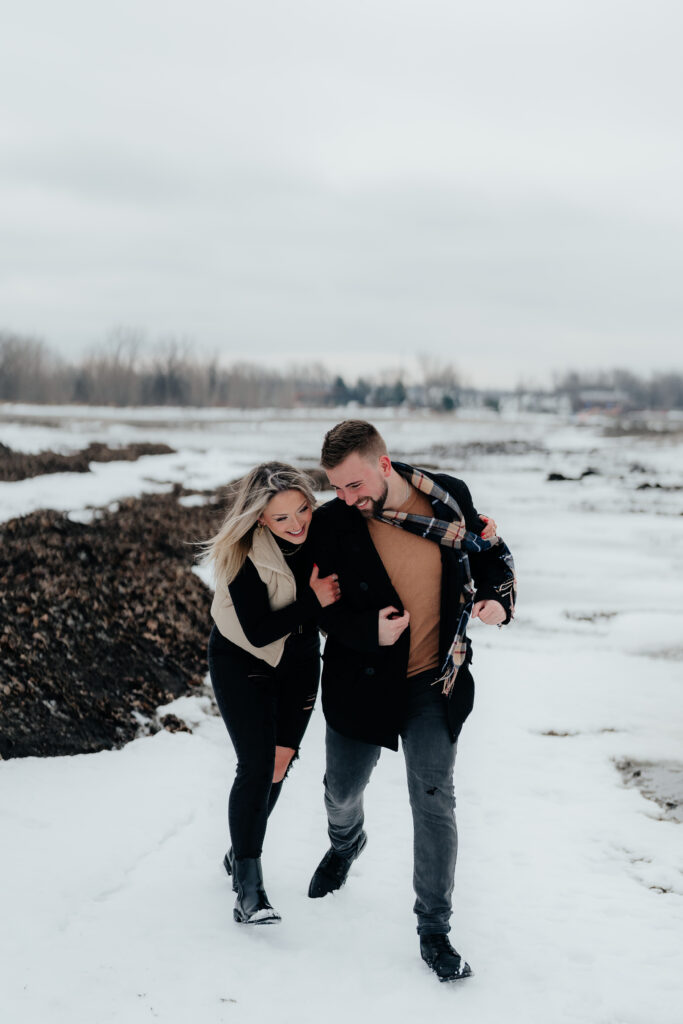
(227, 864)
(252, 906)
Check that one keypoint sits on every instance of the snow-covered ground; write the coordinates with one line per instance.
(569, 885)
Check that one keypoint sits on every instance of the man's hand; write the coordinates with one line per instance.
(489, 530)
(325, 589)
(391, 625)
(490, 612)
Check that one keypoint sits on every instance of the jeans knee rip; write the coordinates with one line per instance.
(294, 757)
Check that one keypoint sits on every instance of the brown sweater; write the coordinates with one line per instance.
(414, 567)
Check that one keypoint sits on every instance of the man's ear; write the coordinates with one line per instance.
(385, 465)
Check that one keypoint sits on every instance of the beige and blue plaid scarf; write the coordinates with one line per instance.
(453, 533)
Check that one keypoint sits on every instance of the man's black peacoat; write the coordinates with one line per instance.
(364, 685)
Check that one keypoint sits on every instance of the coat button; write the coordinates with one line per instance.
(363, 585)
(370, 671)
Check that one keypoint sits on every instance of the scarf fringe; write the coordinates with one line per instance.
(447, 677)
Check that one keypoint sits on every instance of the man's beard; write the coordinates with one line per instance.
(375, 506)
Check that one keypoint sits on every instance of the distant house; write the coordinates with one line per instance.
(601, 401)
(536, 401)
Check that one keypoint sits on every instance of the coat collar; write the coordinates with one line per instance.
(265, 553)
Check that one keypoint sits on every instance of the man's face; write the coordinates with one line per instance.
(362, 482)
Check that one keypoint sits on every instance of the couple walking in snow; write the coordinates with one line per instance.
(391, 570)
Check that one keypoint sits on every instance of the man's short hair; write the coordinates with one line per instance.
(348, 437)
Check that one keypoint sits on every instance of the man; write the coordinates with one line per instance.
(397, 658)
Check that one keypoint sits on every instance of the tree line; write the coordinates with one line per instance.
(125, 371)
(122, 372)
(631, 391)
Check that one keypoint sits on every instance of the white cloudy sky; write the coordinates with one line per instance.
(495, 183)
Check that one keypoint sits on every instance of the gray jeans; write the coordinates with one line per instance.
(430, 757)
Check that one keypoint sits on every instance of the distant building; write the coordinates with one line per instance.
(536, 401)
(601, 401)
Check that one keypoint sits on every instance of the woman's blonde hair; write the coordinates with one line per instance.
(229, 548)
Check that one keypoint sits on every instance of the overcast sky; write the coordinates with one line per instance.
(495, 183)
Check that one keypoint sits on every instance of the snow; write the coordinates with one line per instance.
(569, 883)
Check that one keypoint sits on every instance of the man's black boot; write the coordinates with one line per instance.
(252, 906)
(446, 962)
(332, 870)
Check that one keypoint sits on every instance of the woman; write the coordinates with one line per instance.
(264, 656)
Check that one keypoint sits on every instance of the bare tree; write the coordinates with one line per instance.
(30, 372)
(110, 374)
(438, 372)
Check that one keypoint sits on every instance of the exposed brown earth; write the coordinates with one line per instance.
(660, 781)
(101, 621)
(21, 465)
(98, 621)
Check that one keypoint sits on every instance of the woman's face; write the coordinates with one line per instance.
(288, 515)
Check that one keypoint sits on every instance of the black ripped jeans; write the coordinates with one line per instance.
(262, 708)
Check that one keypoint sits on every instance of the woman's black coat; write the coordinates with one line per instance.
(364, 685)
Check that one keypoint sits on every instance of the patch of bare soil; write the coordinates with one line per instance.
(634, 427)
(474, 449)
(21, 465)
(660, 781)
(99, 621)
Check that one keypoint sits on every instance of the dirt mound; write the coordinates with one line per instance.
(99, 621)
(20, 465)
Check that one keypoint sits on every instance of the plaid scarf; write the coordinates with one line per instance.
(453, 533)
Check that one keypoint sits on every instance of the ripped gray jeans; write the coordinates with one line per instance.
(429, 755)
